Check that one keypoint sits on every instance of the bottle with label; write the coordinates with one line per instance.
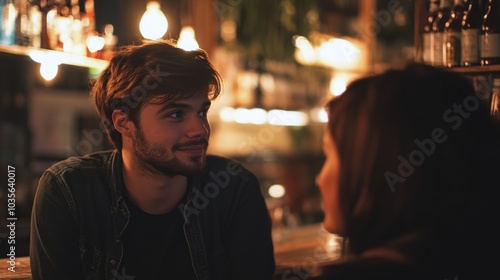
(452, 34)
(490, 35)
(35, 23)
(2, 4)
(88, 18)
(23, 26)
(471, 26)
(438, 26)
(431, 16)
(9, 16)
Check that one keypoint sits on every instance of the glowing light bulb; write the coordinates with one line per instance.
(276, 191)
(95, 43)
(48, 70)
(187, 41)
(337, 86)
(49, 63)
(153, 23)
(305, 51)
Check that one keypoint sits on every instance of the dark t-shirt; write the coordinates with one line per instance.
(154, 246)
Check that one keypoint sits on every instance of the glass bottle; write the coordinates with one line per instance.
(9, 16)
(471, 26)
(23, 24)
(88, 19)
(41, 9)
(431, 16)
(2, 4)
(490, 35)
(451, 40)
(438, 26)
(35, 23)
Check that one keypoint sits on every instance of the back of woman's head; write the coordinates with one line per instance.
(408, 142)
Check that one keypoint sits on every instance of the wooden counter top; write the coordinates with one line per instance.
(21, 270)
(301, 252)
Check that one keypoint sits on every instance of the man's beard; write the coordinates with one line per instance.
(155, 158)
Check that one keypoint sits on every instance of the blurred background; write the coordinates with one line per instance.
(279, 59)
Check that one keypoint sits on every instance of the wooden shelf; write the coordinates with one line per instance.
(476, 69)
(62, 57)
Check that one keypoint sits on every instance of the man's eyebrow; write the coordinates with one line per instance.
(180, 105)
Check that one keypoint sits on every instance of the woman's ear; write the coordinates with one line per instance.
(122, 123)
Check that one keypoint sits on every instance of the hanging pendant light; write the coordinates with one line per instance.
(187, 41)
(153, 23)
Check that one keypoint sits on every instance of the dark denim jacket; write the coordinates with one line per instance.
(79, 215)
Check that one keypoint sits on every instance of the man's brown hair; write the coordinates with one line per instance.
(156, 71)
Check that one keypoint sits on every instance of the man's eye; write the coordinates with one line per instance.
(203, 113)
(176, 115)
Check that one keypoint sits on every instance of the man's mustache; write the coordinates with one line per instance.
(199, 142)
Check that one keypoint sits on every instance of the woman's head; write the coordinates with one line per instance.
(405, 141)
(156, 71)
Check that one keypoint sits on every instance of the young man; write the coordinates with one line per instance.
(156, 207)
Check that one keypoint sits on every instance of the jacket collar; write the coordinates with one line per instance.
(115, 177)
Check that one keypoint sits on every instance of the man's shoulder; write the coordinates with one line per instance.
(80, 177)
(91, 162)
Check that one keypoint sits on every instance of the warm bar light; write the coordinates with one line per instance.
(49, 63)
(187, 41)
(95, 43)
(319, 115)
(276, 191)
(287, 118)
(251, 116)
(153, 23)
(338, 85)
(48, 70)
(261, 116)
(305, 52)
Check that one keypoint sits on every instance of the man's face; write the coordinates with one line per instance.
(172, 138)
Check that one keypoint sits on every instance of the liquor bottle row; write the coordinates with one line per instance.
(462, 33)
(63, 25)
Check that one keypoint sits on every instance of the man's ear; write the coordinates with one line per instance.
(122, 123)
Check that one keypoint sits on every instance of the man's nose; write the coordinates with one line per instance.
(198, 127)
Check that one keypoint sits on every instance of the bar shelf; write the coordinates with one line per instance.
(63, 57)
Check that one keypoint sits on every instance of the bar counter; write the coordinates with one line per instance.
(299, 253)
(21, 269)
